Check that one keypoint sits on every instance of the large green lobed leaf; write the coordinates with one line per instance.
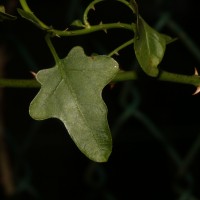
(71, 91)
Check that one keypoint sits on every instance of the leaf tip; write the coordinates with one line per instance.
(33, 74)
(101, 156)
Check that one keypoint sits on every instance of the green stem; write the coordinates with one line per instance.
(91, 6)
(85, 15)
(164, 76)
(127, 4)
(27, 9)
(88, 28)
(91, 29)
(125, 76)
(179, 78)
(121, 76)
(115, 51)
(52, 49)
(19, 83)
(25, 6)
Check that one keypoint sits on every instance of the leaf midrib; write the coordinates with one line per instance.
(66, 80)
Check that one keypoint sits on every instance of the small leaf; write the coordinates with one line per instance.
(5, 16)
(2, 9)
(150, 48)
(78, 23)
(71, 91)
(32, 18)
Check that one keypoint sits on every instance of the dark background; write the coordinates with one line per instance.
(155, 125)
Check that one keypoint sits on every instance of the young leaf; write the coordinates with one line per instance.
(78, 23)
(150, 47)
(71, 91)
(32, 18)
(4, 15)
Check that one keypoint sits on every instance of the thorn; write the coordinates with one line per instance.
(116, 53)
(197, 91)
(57, 36)
(196, 72)
(198, 87)
(93, 8)
(66, 29)
(105, 30)
(112, 85)
(33, 73)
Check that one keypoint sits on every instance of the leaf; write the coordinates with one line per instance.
(4, 15)
(32, 18)
(71, 91)
(2, 9)
(150, 48)
(77, 23)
